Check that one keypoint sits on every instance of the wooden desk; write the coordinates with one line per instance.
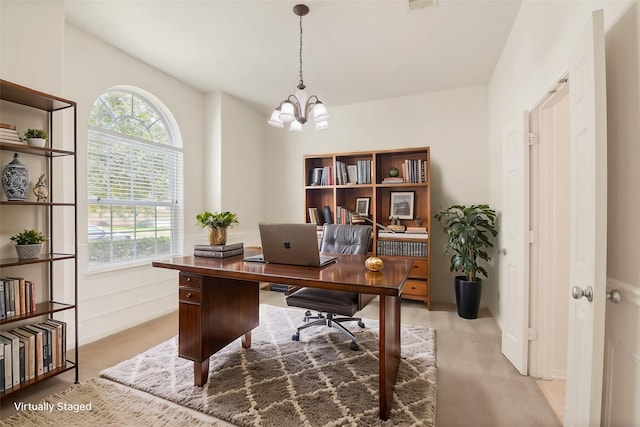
(219, 302)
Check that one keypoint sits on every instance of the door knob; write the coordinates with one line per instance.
(614, 296)
(578, 293)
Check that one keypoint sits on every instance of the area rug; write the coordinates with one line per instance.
(318, 381)
(98, 402)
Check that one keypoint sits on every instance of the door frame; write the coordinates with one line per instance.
(542, 248)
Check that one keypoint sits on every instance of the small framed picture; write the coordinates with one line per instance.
(362, 205)
(402, 204)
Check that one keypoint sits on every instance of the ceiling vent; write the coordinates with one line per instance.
(421, 4)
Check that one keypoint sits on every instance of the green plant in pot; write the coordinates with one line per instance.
(469, 231)
(218, 223)
(28, 244)
(36, 137)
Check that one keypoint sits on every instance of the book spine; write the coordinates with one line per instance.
(326, 212)
(213, 254)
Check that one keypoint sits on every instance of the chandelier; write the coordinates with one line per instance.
(296, 108)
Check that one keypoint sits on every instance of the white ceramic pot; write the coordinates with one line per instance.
(36, 142)
(29, 251)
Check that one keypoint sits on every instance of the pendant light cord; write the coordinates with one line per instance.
(301, 80)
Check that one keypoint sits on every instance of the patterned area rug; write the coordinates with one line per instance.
(318, 381)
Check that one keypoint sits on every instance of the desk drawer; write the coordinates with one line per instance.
(190, 280)
(189, 295)
(419, 269)
(415, 287)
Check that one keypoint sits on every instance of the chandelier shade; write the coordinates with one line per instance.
(295, 109)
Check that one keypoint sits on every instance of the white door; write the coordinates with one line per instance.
(588, 231)
(514, 242)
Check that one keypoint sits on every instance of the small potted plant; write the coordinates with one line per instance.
(218, 222)
(36, 137)
(29, 244)
(469, 230)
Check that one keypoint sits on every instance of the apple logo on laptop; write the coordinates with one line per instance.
(287, 244)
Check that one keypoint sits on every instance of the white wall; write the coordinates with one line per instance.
(234, 157)
(453, 123)
(534, 58)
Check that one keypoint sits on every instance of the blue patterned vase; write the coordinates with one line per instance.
(15, 180)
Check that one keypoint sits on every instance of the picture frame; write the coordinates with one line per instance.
(402, 204)
(362, 206)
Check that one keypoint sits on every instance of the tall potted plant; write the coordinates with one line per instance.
(218, 222)
(469, 231)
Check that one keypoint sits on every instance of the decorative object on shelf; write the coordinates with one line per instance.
(15, 179)
(36, 137)
(362, 206)
(218, 222)
(295, 109)
(28, 243)
(418, 222)
(40, 189)
(393, 172)
(402, 203)
(469, 230)
(373, 263)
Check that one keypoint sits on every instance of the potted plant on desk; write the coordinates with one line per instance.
(218, 222)
(469, 231)
(28, 244)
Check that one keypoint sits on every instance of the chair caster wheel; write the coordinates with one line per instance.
(361, 324)
(295, 337)
(355, 346)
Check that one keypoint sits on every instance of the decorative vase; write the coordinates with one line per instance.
(374, 263)
(15, 180)
(36, 142)
(29, 251)
(468, 297)
(217, 235)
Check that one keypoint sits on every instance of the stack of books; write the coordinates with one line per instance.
(219, 251)
(8, 133)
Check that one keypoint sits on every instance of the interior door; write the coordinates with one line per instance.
(514, 242)
(588, 230)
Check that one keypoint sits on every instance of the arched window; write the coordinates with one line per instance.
(134, 171)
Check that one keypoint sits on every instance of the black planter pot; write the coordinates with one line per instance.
(468, 297)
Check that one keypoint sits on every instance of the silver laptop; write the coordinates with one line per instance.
(295, 244)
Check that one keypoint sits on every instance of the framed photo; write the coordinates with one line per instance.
(362, 205)
(402, 203)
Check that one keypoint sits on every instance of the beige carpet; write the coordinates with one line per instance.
(318, 381)
(99, 402)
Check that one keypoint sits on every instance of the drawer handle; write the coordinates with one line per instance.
(188, 279)
(189, 295)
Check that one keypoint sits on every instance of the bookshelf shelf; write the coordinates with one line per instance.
(50, 282)
(342, 186)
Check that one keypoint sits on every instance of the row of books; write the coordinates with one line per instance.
(8, 133)
(316, 218)
(17, 297)
(218, 251)
(401, 248)
(414, 170)
(29, 351)
(403, 235)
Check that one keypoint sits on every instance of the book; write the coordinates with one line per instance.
(313, 216)
(39, 359)
(402, 236)
(30, 348)
(1, 368)
(219, 248)
(7, 126)
(5, 343)
(393, 180)
(218, 254)
(3, 308)
(62, 338)
(326, 212)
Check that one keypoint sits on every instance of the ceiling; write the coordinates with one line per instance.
(353, 51)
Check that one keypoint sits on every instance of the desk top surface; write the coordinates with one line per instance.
(348, 273)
